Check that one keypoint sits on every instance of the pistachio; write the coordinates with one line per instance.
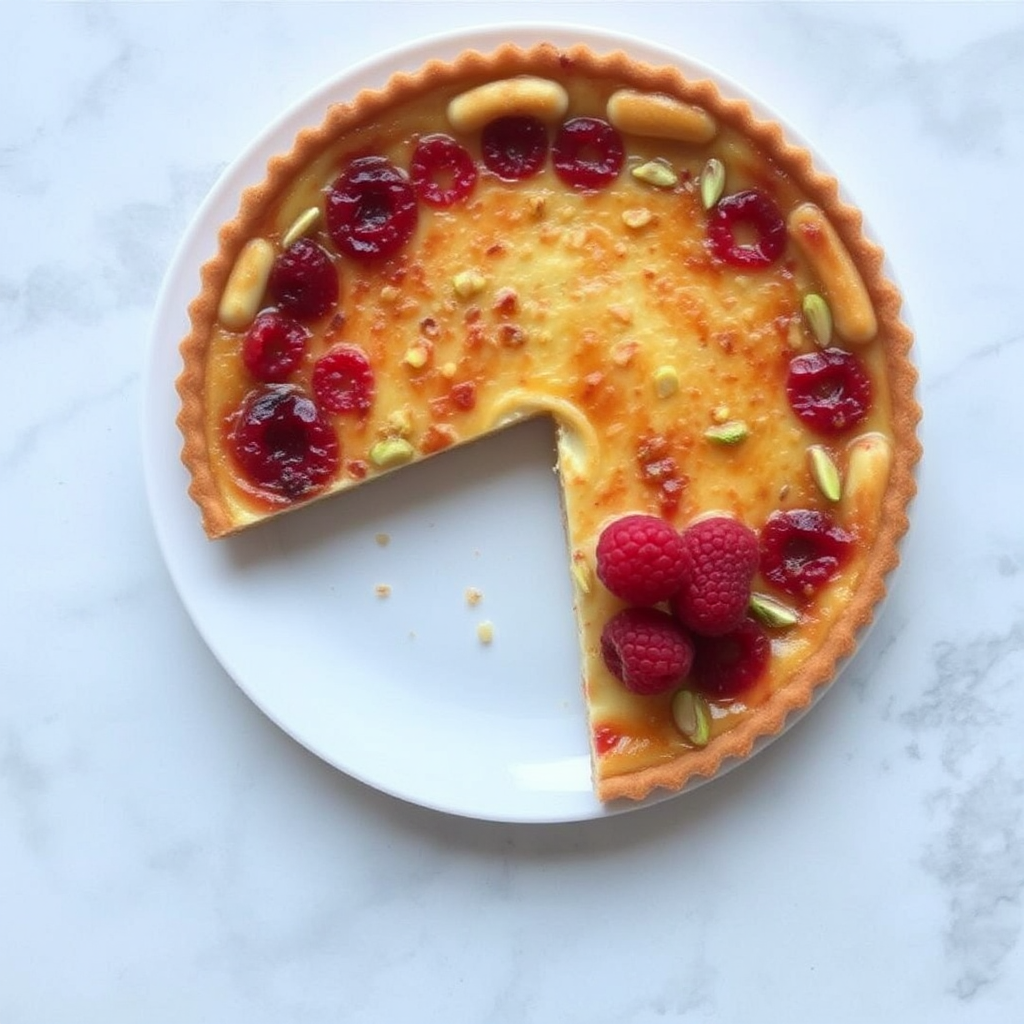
(416, 356)
(772, 612)
(666, 381)
(731, 432)
(399, 423)
(825, 472)
(300, 226)
(656, 172)
(581, 574)
(392, 451)
(468, 282)
(712, 182)
(819, 318)
(692, 716)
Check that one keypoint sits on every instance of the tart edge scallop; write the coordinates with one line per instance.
(472, 68)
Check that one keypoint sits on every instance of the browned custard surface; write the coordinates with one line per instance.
(608, 311)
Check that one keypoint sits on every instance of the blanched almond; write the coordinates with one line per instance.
(868, 464)
(853, 316)
(660, 117)
(246, 284)
(522, 96)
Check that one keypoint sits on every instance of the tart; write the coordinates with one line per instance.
(556, 232)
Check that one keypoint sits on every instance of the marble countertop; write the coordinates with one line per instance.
(168, 854)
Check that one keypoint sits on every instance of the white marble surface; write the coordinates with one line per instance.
(167, 854)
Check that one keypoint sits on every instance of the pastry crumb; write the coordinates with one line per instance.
(473, 596)
(382, 590)
(485, 631)
(383, 539)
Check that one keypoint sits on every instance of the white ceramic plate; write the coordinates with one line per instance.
(397, 692)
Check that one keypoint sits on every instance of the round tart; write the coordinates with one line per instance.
(556, 232)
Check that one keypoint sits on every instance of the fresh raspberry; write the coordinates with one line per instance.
(720, 557)
(725, 667)
(647, 650)
(640, 559)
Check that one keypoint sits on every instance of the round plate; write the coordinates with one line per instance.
(397, 691)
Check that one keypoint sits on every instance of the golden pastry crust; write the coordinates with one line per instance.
(549, 62)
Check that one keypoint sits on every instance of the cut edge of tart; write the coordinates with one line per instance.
(888, 516)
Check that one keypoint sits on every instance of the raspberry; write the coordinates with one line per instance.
(371, 209)
(647, 650)
(283, 442)
(273, 347)
(303, 281)
(514, 147)
(830, 391)
(724, 667)
(640, 559)
(343, 381)
(720, 557)
(802, 550)
(442, 171)
(756, 212)
(587, 153)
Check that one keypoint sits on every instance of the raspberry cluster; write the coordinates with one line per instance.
(704, 574)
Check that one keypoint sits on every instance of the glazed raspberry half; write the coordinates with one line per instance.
(371, 209)
(640, 559)
(283, 444)
(725, 667)
(802, 550)
(273, 347)
(514, 147)
(587, 153)
(442, 171)
(343, 381)
(830, 391)
(750, 211)
(303, 281)
(720, 557)
(646, 650)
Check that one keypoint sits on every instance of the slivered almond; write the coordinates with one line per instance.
(525, 95)
(660, 117)
(246, 284)
(853, 316)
